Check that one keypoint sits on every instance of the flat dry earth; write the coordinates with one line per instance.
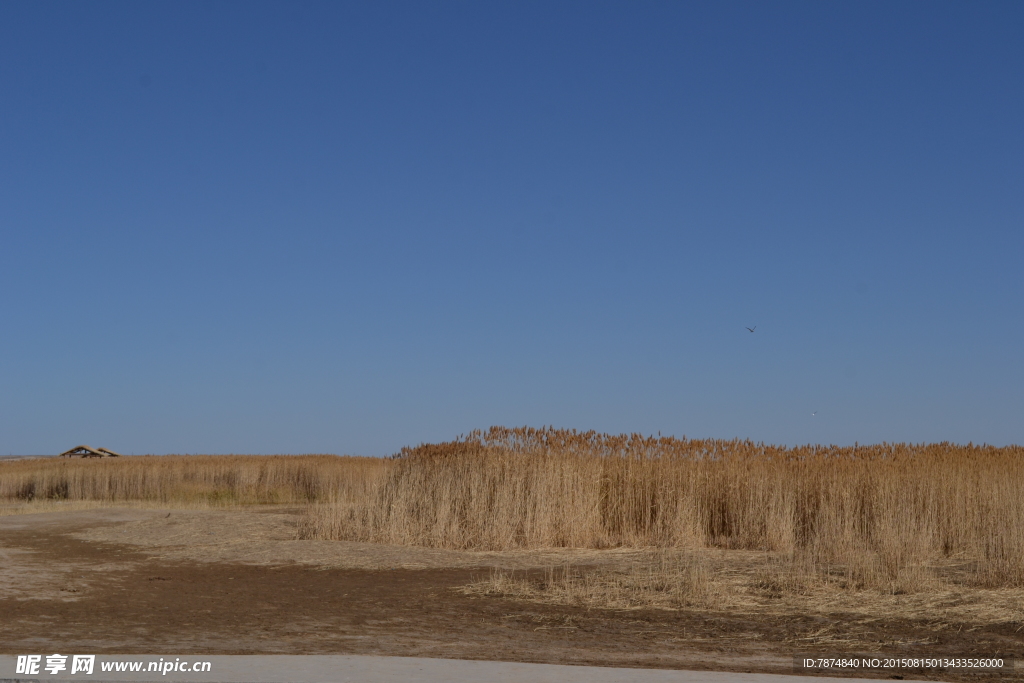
(187, 581)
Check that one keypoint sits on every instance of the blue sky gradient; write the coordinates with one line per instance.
(281, 227)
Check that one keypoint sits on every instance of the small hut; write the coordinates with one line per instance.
(89, 452)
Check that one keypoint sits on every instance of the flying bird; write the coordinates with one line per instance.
(814, 413)
(751, 329)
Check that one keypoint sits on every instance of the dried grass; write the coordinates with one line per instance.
(758, 584)
(193, 479)
(896, 519)
(658, 579)
(867, 517)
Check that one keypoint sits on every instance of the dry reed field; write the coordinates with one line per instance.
(631, 550)
(192, 479)
(891, 517)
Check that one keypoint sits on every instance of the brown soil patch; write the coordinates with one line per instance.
(219, 582)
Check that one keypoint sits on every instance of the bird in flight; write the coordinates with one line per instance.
(751, 329)
(814, 413)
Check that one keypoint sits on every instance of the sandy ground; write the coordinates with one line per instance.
(237, 582)
(378, 669)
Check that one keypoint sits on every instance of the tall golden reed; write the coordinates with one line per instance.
(882, 515)
(879, 514)
(219, 479)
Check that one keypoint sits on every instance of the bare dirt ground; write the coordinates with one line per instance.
(176, 581)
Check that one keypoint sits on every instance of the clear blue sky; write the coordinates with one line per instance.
(248, 227)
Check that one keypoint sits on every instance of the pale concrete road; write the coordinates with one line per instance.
(369, 669)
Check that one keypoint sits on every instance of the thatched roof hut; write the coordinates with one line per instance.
(89, 452)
